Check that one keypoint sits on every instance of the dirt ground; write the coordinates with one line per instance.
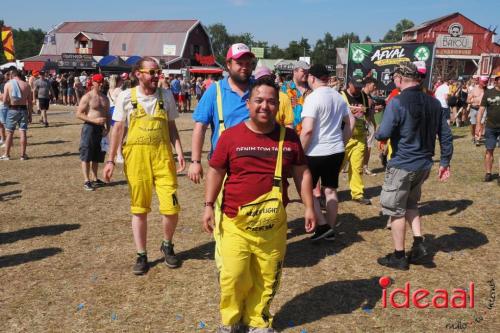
(66, 254)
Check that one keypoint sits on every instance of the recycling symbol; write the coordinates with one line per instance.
(422, 53)
(358, 55)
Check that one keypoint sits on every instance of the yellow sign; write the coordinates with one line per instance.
(8, 43)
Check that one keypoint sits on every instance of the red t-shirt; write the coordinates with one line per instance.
(250, 160)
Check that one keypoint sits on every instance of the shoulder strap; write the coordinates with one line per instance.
(279, 159)
(160, 98)
(344, 96)
(222, 127)
(133, 97)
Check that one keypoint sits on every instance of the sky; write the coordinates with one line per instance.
(275, 21)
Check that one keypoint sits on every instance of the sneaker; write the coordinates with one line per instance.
(488, 177)
(46, 124)
(367, 171)
(98, 183)
(87, 186)
(231, 329)
(391, 261)
(363, 201)
(321, 232)
(418, 254)
(4, 158)
(261, 330)
(24, 157)
(170, 258)
(330, 237)
(141, 265)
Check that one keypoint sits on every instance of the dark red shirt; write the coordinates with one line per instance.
(250, 160)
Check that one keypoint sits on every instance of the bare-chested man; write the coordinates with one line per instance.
(93, 110)
(474, 100)
(17, 98)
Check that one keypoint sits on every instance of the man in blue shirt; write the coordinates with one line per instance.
(234, 92)
(175, 86)
(411, 120)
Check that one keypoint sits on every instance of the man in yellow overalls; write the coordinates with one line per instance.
(253, 228)
(358, 103)
(149, 112)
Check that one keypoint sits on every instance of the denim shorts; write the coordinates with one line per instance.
(3, 114)
(15, 118)
(491, 136)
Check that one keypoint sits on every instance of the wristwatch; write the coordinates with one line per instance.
(209, 204)
(196, 161)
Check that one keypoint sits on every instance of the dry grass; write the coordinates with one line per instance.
(66, 254)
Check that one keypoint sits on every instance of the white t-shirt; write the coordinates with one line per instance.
(441, 94)
(123, 105)
(328, 109)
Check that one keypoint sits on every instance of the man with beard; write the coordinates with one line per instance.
(297, 90)
(149, 113)
(222, 106)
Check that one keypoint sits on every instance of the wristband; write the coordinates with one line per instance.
(196, 161)
(110, 162)
(209, 204)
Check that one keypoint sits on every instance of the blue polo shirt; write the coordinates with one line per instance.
(234, 109)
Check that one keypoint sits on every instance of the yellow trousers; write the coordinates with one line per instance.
(148, 166)
(250, 273)
(354, 154)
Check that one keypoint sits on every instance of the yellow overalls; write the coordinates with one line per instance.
(148, 159)
(355, 152)
(218, 203)
(252, 247)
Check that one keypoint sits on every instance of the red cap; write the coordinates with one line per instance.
(124, 76)
(98, 78)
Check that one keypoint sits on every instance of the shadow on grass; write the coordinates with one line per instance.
(22, 258)
(305, 253)
(46, 230)
(7, 196)
(7, 183)
(463, 238)
(116, 183)
(66, 154)
(53, 142)
(436, 206)
(370, 192)
(203, 252)
(333, 298)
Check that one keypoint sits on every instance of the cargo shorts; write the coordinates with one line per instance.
(401, 190)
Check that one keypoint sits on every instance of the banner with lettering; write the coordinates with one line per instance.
(381, 58)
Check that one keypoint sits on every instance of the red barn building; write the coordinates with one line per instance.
(463, 47)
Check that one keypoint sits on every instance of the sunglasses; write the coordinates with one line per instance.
(151, 72)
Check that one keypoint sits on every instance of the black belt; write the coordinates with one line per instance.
(18, 107)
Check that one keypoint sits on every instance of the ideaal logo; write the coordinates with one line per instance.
(422, 298)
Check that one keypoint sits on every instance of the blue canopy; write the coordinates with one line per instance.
(105, 61)
(133, 60)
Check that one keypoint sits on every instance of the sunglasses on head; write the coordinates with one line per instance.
(151, 71)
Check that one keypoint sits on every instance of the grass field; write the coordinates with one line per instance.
(66, 254)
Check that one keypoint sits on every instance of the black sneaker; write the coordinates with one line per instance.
(391, 261)
(170, 258)
(363, 201)
(321, 232)
(418, 254)
(98, 183)
(141, 265)
(488, 177)
(87, 186)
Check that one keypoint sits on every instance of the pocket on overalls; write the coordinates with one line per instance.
(260, 215)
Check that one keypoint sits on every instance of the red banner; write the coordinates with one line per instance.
(205, 60)
(8, 43)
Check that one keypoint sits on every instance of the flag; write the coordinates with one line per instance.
(8, 43)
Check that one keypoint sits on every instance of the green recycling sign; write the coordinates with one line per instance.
(358, 52)
(422, 53)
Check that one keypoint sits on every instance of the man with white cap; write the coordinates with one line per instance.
(223, 105)
(297, 90)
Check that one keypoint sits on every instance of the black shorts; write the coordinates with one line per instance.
(327, 168)
(43, 103)
(90, 143)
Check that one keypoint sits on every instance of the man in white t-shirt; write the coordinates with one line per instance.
(326, 127)
(442, 93)
(149, 113)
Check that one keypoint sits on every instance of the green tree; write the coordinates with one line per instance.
(28, 42)
(298, 49)
(220, 41)
(324, 51)
(396, 35)
(367, 39)
(275, 52)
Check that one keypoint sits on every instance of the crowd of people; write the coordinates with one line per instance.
(264, 131)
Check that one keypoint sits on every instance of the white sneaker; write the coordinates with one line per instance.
(4, 158)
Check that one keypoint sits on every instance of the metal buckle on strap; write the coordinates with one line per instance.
(277, 181)
(221, 121)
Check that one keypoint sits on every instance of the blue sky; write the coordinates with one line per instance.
(278, 22)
